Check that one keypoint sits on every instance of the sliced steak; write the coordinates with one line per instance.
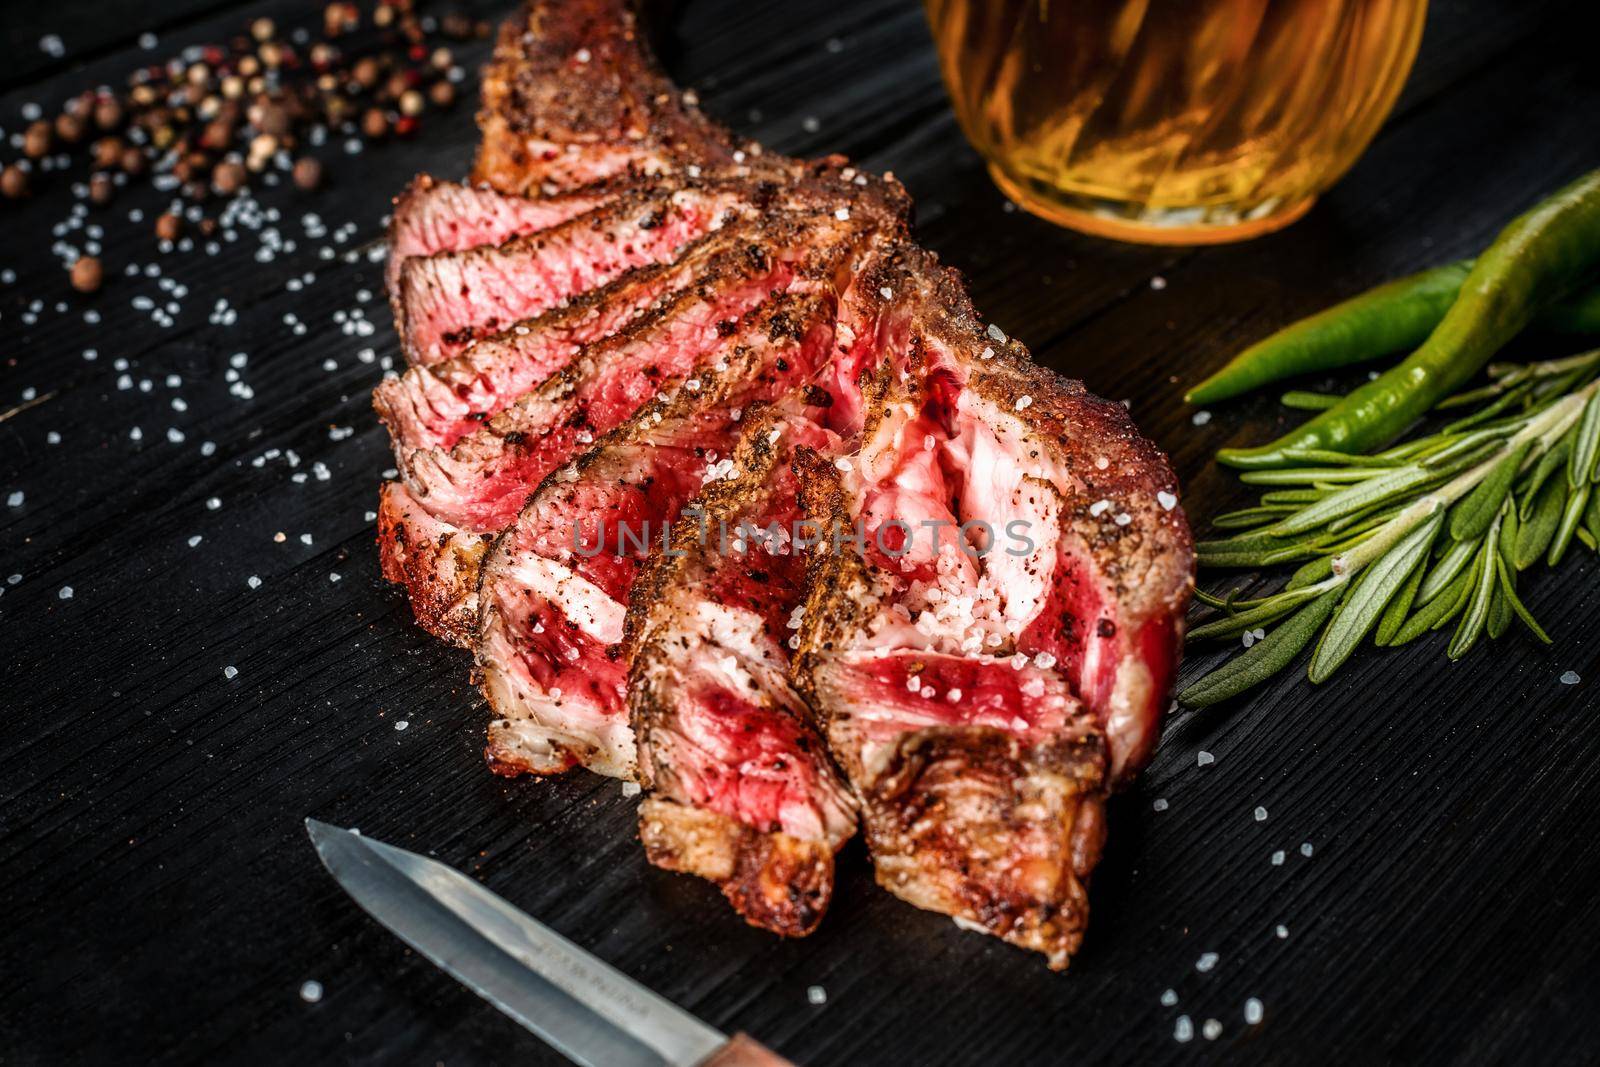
(481, 481)
(983, 703)
(554, 587)
(473, 489)
(435, 406)
(448, 298)
(435, 561)
(572, 96)
(432, 216)
(741, 790)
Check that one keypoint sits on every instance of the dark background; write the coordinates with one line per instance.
(161, 903)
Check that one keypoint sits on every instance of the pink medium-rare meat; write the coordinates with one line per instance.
(455, 500)
(983, 703)
(553, 595)
(740, 788)
(475, 487)
(431, 216)
(434, 406)
(480, 482)
(449, 298)
(572, 96)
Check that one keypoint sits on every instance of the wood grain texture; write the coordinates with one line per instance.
(163, 905)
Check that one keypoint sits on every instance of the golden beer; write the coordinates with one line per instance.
(1173, 121)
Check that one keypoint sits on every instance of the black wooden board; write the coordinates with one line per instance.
(161, 903)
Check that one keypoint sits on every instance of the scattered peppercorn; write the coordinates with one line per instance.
(365, 72)
(307, 173)
(210, 118)
(36, 141)
(107, 152)
(228, 177)
(13, 183)
(69, 128)
(108, 113)
(87, 274)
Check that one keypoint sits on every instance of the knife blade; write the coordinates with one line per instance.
(587, 1010)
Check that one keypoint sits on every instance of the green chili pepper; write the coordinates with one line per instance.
(1390, 318)
(1542, 255)
(1379, 322)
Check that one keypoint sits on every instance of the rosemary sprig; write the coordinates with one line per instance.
(1426, 533)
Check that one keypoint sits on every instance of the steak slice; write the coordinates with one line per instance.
(432, 216)
(481, 481)
(476, 487)
(435, 406)
(555, 585)
(741, 790)
(982, 704)
(436, 562)
(447, 299)
(572, 96)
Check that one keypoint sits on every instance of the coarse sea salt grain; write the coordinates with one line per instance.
(1201, 418)
(230, 672)
(631, 789)
(253, 582)
(1204, 758)
(1169, 998)
(817, 995)
(1282, 931)
(1164, 498)
(1212, 1029)
(1261, 814)
(1183, 1029)
(401, 724)
(1570, 678)
(1306, 850)
(1253, 1011)
(1277, 858)
(1206, 961)
(66, 592)
(15, 499)
(311, 991)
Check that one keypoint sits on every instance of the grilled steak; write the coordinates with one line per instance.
(983, 637)
(571, 97)
(983, 702)
(741, 790)
(554, 587)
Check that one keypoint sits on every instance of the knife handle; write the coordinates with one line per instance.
(742, 1050)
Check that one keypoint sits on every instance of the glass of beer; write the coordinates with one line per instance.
(1173, 121)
